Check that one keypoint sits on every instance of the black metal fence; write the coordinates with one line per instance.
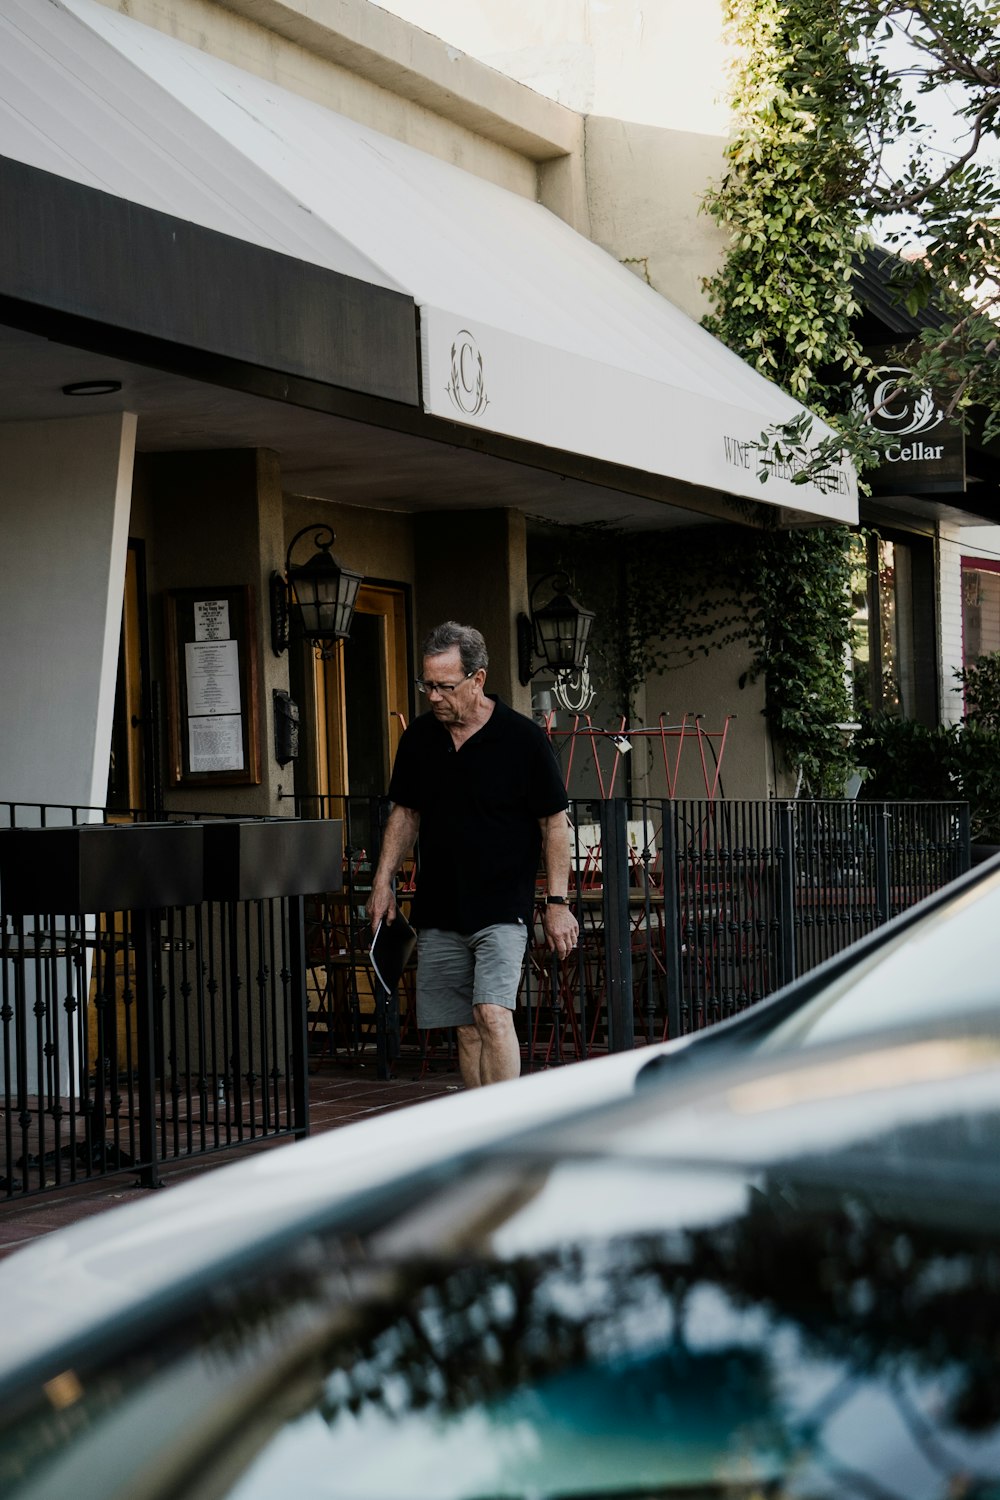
(140, 1035)
(722, 903)
(689, 912)
(136, 1035)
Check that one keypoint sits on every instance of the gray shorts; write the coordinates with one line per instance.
(457, 970)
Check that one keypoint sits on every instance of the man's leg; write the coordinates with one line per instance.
(445, 973)
(470, 1051)
(499, 954)
(500, 1050)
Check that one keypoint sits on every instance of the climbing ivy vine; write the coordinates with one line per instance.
(784, 300)
(663, 601)
(783, 297)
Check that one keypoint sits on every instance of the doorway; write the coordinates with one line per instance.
(894, 648)
(362, 698)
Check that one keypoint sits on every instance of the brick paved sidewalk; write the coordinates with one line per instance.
(336, 1097)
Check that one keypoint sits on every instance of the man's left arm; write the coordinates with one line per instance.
(561, 927)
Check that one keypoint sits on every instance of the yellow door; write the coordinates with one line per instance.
(362, 697)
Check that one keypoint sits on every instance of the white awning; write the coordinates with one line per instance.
(527, 328)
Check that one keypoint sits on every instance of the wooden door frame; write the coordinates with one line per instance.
(391, 600)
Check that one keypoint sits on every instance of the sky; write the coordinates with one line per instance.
(645, 61)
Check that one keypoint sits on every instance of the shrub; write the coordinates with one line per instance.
(907, 762)
(904, 761)
(981, 681)
(975, 752)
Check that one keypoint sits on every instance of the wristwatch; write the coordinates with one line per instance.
(555, 901)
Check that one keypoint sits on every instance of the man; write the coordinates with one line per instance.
(480, 784)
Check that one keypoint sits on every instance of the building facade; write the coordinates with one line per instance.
(267, 268)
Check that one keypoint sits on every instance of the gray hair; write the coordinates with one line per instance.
(471, 646)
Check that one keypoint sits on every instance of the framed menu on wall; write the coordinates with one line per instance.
(211, 644)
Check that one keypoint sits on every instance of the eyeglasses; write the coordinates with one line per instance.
(441, 687)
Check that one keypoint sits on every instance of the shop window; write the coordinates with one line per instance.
(980, 608)
(893, 655)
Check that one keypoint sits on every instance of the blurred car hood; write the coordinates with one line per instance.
(75, 1279)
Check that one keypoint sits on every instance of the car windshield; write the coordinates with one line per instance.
(942, 964)
(570, 1327)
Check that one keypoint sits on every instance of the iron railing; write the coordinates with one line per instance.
(731, 900)
(134, 1039)
(690, 910)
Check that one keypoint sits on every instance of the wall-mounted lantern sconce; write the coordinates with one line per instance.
(558, 632)
(315, 600)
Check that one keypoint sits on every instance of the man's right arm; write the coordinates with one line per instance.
(397, 842)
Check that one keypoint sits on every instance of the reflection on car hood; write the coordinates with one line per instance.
(821, 1101)
(76, 1279)
(544, 1324)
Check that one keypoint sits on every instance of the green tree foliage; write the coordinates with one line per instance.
(826, 93)
(800, 632)
(953, 202)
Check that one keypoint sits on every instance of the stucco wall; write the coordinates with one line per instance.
(64, 503)
(651, 82)
(645, 185)
(377, 542)
(237, 32)
(487, 596)
(709, 686)
(980, 541)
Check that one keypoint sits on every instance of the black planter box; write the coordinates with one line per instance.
(94, 867)
(252, 859)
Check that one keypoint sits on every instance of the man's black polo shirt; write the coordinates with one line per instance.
(479, 808)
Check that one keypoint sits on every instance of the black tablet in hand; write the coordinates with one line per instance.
(391, 949)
